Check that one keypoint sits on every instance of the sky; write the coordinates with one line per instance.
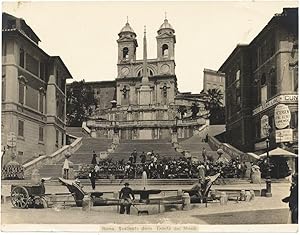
(84, 34)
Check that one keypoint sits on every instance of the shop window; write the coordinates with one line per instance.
(21, 128)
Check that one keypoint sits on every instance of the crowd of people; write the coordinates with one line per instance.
(158, 167)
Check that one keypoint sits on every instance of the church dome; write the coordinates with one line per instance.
(166, 25)
(127, 29)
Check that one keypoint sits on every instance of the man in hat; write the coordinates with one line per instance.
(126, 195)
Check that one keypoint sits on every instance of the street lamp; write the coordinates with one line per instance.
(268, 177)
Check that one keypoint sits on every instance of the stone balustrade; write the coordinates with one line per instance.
(144, 123)
(37, 163)
(85, 128)
(227, 148)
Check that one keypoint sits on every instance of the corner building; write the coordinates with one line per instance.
(33, 92)
(259, 77)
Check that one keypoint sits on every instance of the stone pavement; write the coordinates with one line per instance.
(260, 210)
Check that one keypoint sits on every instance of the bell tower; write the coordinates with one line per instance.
(166, 41)
(127, 45)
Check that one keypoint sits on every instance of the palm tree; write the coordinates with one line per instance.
(213, 103)
(213, 99)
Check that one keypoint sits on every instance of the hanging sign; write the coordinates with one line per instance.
(282, 116)
(285, 135)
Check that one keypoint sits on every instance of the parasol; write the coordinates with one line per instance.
(279, 152)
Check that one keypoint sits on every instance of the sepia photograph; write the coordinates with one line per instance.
(140, 116)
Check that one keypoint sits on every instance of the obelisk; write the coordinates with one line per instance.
(145, 90)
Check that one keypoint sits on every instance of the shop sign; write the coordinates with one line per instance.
(278, 99)
(282, 116)
(285, 135)
(264, 123)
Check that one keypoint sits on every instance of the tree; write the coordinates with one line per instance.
(195, 110)
(213, 103)
(182, 110)
(80, 103)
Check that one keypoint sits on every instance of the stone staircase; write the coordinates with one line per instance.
(163, 147)
(195, 146)
(82, 156)
(76, 131)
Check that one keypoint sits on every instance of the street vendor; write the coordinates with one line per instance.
(127, 196)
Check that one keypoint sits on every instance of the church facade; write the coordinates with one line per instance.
(143, 100)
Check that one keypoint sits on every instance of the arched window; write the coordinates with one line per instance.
(149, 72)
(125, 52)
(165, 50)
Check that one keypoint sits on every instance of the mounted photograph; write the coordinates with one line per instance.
(149, 116)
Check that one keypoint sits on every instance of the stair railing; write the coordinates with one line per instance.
(59, 154)
(233, 152)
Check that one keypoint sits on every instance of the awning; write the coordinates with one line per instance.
(279, 152)
(253, 155)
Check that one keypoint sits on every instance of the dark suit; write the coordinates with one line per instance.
(126, 201)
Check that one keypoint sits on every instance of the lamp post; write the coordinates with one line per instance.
(268, 178)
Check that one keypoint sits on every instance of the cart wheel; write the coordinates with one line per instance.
(19, 197)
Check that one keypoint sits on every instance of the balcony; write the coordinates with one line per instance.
(144, 123)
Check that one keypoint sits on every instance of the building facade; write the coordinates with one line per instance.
(33, 92)
(262, 87)
(214, 80)
(143, 94)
